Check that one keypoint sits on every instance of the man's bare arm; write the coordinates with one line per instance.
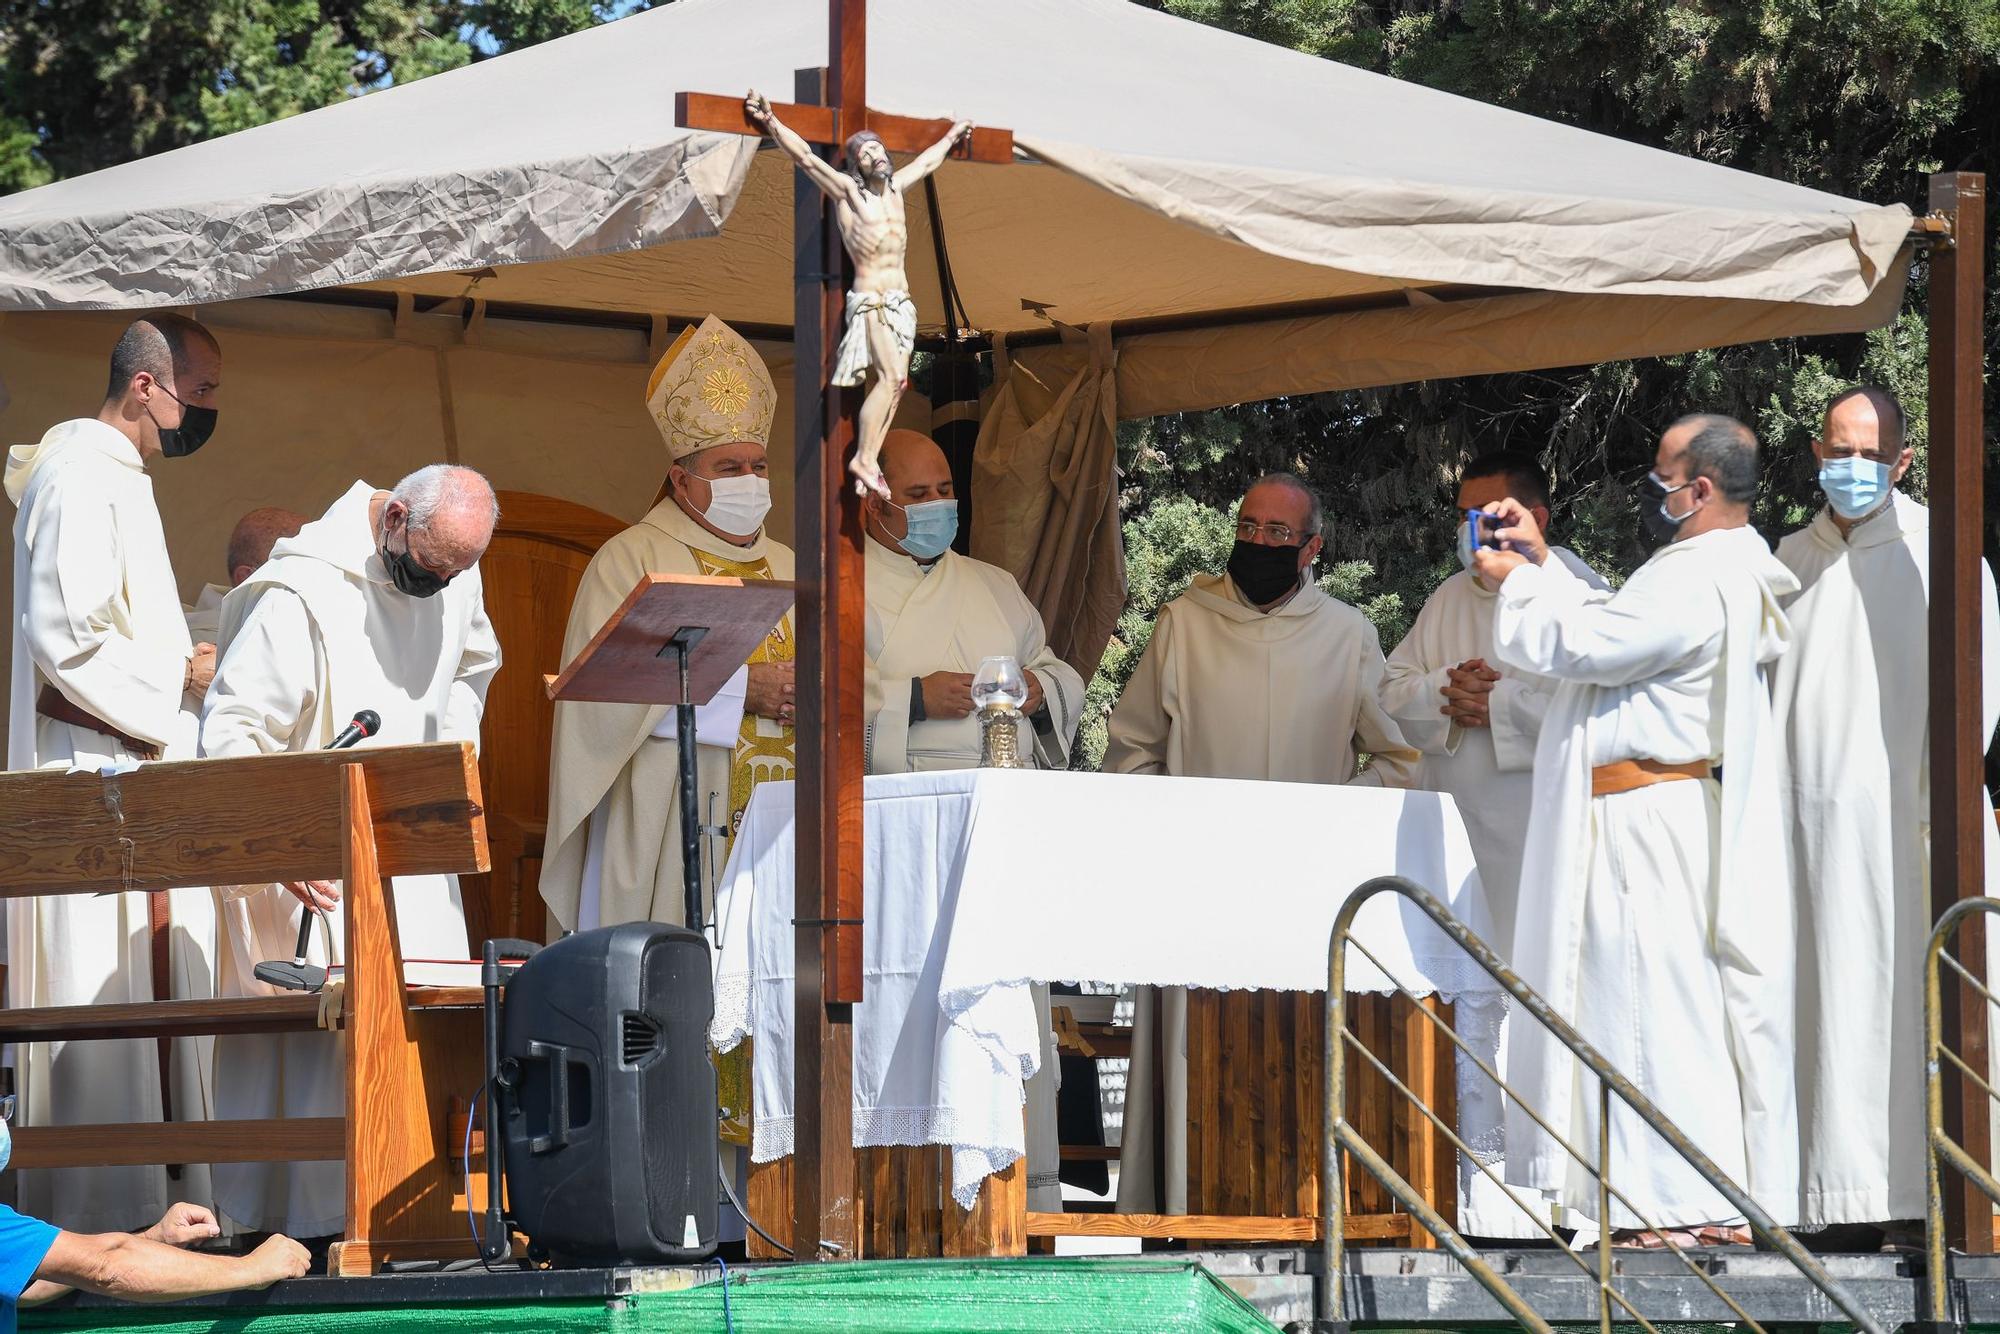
(139, 1270)
(830, 181)
(928, 161)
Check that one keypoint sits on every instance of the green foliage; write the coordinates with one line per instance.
(88, 83)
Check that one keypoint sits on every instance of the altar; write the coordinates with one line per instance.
(981, 884)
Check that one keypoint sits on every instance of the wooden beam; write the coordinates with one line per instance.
(1958, 739)
(300, 1139)
(161, 1019)
(821, 125)
(825, 1205)
(238, 821)
(1214, 1227)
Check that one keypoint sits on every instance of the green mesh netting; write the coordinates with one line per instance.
(973, 1296)
(888, 1297)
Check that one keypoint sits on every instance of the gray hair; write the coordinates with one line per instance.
(1315, 512)
(1724, 451)
(429, 490)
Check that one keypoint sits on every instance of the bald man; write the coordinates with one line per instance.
(933, 615)
(375, 605)
(250, 545)
(1649, 913)
(1852, 701)
(102, 669)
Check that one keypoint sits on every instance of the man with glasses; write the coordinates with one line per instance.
(1252, 673)
(378, 606)
(1853, 707)
(39, 1262)
(1650, 912)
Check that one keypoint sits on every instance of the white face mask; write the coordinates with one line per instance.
(738, 504)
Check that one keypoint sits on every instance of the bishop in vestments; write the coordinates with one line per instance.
(614, 844)
(103, 670)
(1853, 710)
(376, 605)
(1254, 673)
(1477, 727)
(1647, 915)
(933, 615)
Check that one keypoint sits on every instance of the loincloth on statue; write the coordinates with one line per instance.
(894, 308)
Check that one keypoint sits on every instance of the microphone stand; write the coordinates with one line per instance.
(680, 645)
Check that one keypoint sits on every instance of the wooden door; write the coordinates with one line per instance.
(531, 572)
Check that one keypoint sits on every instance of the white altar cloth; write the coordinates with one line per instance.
(973, 892)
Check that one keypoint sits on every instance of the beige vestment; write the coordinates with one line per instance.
(946, 617)
(1228, 691)
(609, 769)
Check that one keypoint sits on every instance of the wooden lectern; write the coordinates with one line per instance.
(677, 639)
(359, 816)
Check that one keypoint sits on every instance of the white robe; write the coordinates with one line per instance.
(1488, 773)
(316, 635)
(204, 618)
(1226, 690)
(945, 617)
(1852, 704)
(97, 613)
(1673, 960)
(613, 843)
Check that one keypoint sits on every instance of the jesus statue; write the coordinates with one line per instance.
(881, 317)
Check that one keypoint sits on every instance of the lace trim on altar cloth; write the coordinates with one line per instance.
(731, 1023)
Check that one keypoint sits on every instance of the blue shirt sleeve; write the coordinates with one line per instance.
(24, 1243)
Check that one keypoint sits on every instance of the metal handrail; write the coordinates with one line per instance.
(1940, 1147)
(1342, 1137)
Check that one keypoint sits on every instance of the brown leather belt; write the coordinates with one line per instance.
(52, 703)
(1608, 780)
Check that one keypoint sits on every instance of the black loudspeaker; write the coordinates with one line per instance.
(609, 1097)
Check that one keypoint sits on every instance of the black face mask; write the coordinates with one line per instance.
(1264, 574)
(409, 575)
(197, 425)
(1656, 526)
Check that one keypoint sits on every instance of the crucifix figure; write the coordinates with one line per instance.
(881, 317)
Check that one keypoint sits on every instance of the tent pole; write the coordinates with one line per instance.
(1958, 741)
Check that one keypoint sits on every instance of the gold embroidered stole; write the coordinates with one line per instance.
(766, 751)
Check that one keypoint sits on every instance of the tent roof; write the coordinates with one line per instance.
(1171, 170)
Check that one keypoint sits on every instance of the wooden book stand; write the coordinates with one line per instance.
(359, 816)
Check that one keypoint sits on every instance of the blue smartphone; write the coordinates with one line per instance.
(1479, 529)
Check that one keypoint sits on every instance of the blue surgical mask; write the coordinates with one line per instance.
(1854, 486)
(933, 527)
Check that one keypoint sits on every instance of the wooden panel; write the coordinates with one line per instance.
(237, 821)
(899, 134)
(997, 1222)
(768, 1197)
(73, 1023)
(1213, 1227)
(402, 1069)
(1308, 1100)
(1204, 1133)
(622, 663)
(1413, 1056)
(901, 1191)
(302, 1139)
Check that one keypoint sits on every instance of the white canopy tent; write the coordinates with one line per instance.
(1248, 220)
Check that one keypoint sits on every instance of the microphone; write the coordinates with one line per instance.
(298, 975)
(364, 724)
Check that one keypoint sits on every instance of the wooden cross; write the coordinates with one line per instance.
(832, 105)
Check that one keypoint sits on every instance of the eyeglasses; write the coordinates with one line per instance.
(1277, 534)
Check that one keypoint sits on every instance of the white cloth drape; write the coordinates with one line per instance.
(965, 868)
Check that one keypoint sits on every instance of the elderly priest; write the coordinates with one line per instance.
(1854, 713)
(1254, 673)
(102, 669)
(614, 845)
(933, 615)
(376, 605)
(1648, 915)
